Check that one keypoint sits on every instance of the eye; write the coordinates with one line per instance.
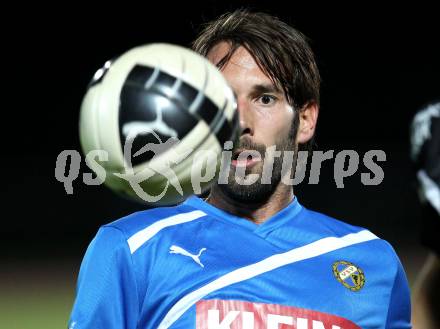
(267, 99)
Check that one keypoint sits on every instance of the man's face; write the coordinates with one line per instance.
(265, 118)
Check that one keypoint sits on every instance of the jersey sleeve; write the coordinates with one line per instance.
(399, 308)
(107, 294)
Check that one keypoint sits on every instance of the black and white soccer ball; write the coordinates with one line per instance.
(154, 110)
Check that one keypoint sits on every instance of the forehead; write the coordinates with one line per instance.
(241, 67)
(241, 56)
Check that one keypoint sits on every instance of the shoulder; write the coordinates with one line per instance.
(139, 220)
(327, 226)
(138, 228)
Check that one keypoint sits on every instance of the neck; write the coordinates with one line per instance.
(255, 212)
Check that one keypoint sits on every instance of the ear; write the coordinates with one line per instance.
(308, 117)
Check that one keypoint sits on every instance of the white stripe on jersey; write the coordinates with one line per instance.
(310, 250)
(141, 237)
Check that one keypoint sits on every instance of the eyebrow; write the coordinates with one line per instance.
(265, 88)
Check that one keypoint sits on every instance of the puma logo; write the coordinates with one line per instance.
(178, 250)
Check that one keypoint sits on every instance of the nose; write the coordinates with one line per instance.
(245, 117)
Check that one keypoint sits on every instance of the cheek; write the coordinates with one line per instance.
(277, 114)
(275, 122)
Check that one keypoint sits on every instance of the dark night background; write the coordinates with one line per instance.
(378, 67)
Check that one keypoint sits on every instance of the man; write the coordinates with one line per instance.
(425, 152)
(250, 256)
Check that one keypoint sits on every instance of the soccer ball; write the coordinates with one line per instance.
(161, 114)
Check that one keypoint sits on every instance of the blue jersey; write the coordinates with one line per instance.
(196, 266)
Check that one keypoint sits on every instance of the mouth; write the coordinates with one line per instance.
(245, 158)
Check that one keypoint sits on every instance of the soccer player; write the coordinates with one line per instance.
(250, 256)
(425, 152)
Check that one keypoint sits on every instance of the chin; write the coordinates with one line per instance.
(253, 193)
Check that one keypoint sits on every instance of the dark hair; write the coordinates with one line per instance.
(281, 51)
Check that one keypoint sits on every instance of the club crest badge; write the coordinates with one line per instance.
(349, 274)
